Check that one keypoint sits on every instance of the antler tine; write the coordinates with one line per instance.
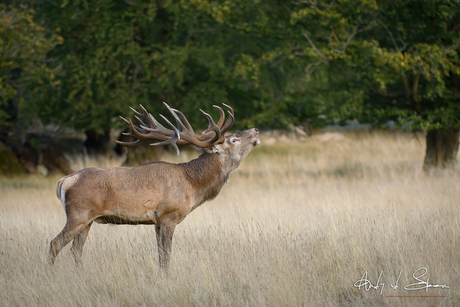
(230, 120)
(159, 127)
(139, 129)
(161, 130)
(129, 144)
(231, 109)
(222, 116)
(173, 139)
(172, 142)
(147, 117)
(199, 149)
(176, 131)
(185, 121)
(143, 125)
(135, 112)
(180, 125)
(211, 127)
(155, 126)
(124, 119)
(135, 132)
(140, 120)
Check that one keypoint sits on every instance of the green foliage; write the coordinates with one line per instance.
(378, 60)
(118, 54)
(277, 62)
(23, 48)
(405, 54)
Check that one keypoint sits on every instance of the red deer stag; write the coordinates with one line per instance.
(158, 193)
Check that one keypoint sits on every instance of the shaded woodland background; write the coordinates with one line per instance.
(68, 69)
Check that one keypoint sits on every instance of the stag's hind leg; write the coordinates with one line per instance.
(78, 242)
(71, 229)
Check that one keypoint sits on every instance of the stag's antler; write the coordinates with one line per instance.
(150, 129)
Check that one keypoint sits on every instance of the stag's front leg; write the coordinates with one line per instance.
(164, 241)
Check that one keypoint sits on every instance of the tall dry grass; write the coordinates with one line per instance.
(297, 225)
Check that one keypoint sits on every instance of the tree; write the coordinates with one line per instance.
(23, 48)
(24, 45)
(395, 60)
(409, 57)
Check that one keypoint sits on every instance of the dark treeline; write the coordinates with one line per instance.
(80, 64)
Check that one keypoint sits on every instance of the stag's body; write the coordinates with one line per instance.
(158, 193)
(145, 194)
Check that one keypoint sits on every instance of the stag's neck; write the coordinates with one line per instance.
(208, 174)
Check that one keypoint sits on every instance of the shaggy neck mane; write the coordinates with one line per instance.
(206, 175)
(204, 170)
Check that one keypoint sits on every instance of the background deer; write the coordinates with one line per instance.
(158, 193)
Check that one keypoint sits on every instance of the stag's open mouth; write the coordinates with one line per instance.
(256, 140)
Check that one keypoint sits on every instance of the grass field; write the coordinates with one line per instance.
(298, 225)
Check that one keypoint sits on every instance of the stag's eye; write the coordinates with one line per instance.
(235, 140)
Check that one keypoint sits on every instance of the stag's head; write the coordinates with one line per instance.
(233, 148)
(236, 146)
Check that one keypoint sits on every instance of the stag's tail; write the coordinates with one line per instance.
(63, 186)
(60, 190)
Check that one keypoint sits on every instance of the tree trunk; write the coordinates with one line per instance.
(97, 144)
(441, 148)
